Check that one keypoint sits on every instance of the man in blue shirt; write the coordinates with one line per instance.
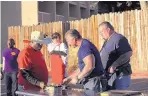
(90, 67)
(115, 55)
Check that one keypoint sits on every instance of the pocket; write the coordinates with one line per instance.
(103, 81)
(93, 84)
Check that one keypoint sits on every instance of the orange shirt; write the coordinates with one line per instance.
(32, 60)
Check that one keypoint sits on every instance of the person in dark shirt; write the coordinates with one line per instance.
(115, 56)
(90, 67)
(10, 67)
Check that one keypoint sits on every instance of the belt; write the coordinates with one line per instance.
(95, 75)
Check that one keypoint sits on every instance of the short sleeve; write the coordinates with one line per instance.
(63, 47)
(51, 47)
(123, 46)
(85, 51)
(24, 61)
(18, 51)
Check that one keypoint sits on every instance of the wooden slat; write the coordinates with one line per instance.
(132, 24)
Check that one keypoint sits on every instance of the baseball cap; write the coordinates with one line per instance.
(38, 37)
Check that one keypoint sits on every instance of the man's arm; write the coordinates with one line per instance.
(30, 78)
(122, 59)
(2, 69)
(24, 63)
(3, 63)
(58, 52)
(89, 62)
(75, 73)
(124, 52)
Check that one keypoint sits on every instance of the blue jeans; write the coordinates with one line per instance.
(122, 82)
(11, 83)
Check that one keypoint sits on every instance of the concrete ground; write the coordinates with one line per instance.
(140, 85)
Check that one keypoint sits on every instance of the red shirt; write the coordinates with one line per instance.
(34, 61)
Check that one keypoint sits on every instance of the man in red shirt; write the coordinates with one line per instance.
(33, 73)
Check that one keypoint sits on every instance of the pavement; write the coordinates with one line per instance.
(140, 84)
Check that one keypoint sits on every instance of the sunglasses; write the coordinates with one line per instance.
(54, 37)
(39, 44)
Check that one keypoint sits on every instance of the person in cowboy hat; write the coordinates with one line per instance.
(33, 73)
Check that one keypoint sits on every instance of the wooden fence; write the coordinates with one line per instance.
(20, 33)
(132, 24)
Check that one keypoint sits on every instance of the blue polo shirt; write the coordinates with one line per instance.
(112, 49)
(86, 49)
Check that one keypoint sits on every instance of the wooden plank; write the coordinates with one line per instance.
(132, 24)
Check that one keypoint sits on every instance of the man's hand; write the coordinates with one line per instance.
(50, 53)
(111, 69)
(1, 74)
(58, 53)
(42, 85)
(66, 80)
(74, 81)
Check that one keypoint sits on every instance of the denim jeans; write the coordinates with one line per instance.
(122, 82)
(11, 83)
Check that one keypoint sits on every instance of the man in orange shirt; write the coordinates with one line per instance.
(33, 73)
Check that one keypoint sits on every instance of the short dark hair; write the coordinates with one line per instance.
(107, 24)
(56, 35)
(12, 41)
(74, 33)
